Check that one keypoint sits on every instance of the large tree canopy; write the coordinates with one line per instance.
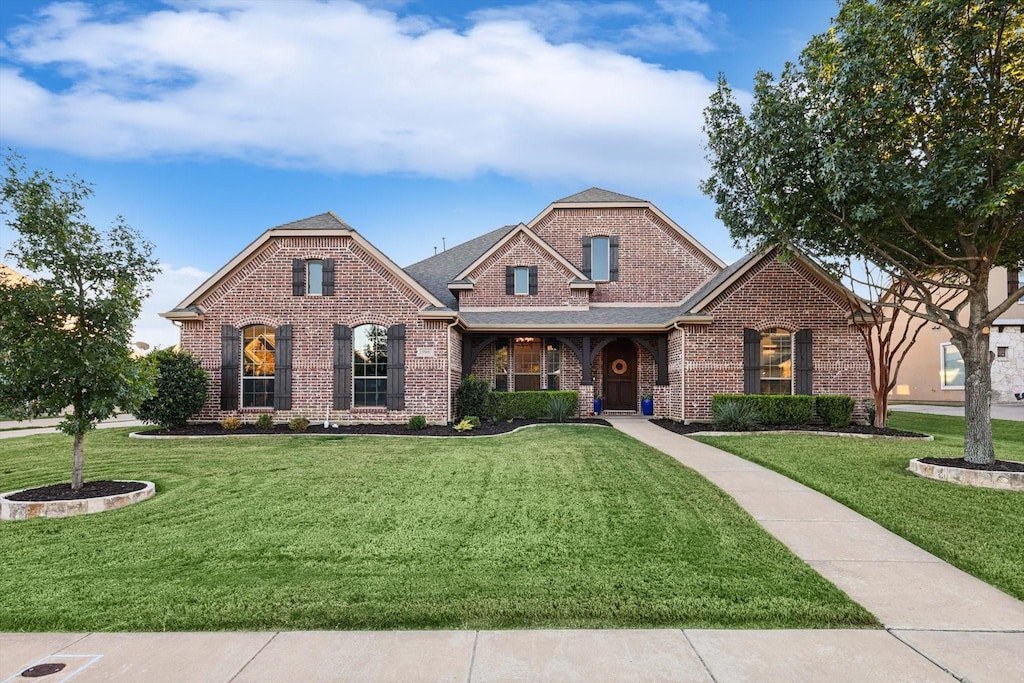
(64, 337)
(898, 138)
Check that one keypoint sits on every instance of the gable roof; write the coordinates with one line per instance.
(598, 195)
(521, 229)
(434, 273)
(321, 225)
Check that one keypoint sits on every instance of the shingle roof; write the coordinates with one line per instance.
(604, 315)
(596, 194)
(321, 221)
(436, 272)
(715, 281)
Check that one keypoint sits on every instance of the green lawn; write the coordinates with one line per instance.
(549, 527)
(979, 530)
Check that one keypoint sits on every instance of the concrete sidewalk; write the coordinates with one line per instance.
(941, 624)
(1000, 411)
(47, 425)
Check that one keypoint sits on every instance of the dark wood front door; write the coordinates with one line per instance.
(620, 375)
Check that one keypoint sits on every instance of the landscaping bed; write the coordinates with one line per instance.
(485, 429)
(90, 489)
(866, 430)
(960, 463)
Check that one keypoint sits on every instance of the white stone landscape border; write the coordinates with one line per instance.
(143, 435)
(847, 435)
(989, 479)
(12, 510)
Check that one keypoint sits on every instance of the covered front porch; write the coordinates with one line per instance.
(619, 367)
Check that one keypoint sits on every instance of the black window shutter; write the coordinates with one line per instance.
(533, 280)
(283, 368)
(587, 267)
(613, 258)
(804, 363)
(328, 271)
(751, 361)
(1012, 280)
(510, 280)
(298, 277)
(230, 349)
(396, 367)
(342, 367)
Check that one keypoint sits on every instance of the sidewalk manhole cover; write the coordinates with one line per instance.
(42, 670)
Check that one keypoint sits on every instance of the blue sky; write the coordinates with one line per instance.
(204, 122)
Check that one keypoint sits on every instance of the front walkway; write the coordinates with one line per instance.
(1000, 411)
(941, 624)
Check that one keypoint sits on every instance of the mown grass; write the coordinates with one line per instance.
(550, 527)
(978, 530)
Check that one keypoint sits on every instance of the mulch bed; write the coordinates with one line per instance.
(90, 489)
(680, 428)
(485, 429)
(997, 466)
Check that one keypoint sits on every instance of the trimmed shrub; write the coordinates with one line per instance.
(179, 389)
(417, 422)
(532, 405)
(265, 422)
(739, 416)
(773, 410)
(471, 397)
(560, 408)
(230, 424)
(835, 410)
(473, 420)
(298, 424)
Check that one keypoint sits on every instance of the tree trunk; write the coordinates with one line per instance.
(974, 348)
(881, 406)
(77, 469)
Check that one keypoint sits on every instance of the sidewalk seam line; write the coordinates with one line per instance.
(472, 657)
(697, 652)
(923, 654)
(254, 656)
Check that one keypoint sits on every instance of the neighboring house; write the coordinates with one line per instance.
(11, 276)
(934, 369)
(600, 293)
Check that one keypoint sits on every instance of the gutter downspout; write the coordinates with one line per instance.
(449, 340)
(682, 372)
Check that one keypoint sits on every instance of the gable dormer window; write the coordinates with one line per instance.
(521, 280)
(315, 278)
(601, 258)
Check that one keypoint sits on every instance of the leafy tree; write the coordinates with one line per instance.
(180, 389)
(899, 138)
(64, 338)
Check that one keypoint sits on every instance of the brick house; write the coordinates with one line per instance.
(600, 293)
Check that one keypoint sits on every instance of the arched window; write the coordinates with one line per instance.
(776, 362)
(258, 356)
(370, 365)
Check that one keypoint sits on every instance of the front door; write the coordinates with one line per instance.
(620, 375)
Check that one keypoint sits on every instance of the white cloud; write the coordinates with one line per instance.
(170, 287)
(341, 87)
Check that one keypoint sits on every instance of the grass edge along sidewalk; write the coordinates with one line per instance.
(977, 530)
(557, 527)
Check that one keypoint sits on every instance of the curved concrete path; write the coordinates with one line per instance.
(941, 624)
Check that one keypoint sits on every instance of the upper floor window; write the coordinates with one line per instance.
(522, 280)
(600, 264)
(315, 277)
(258, 356)
(1012, 280)
(953, 371)
(776, 362)
(370, 366)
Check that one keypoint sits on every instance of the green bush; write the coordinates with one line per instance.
(836, 410)
(472, 420)
(417, 422)
(298, 424)
(180, 389)
(265, 422)
(527, 404)
(560, 408)
(471, 397)
(740, 416)
(230, 424)
(773, 410)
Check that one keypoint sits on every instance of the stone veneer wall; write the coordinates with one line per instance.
(1007, 373)
(366, 292)
(774, 295)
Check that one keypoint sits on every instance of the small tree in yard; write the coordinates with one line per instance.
(179, 389)
(64, 338)
(898, 139)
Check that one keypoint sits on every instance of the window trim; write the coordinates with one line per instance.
(381, 396)
(942, 369)
(525, 271)
(778, 331)
(252, 378)
(309, 280)
(608, 258)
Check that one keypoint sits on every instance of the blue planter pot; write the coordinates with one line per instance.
(598, 406)
(647, 406)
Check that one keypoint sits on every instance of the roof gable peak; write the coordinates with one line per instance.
(598, 195)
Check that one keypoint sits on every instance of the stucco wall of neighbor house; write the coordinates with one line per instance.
(260, 292)
(920, 375)
(774, 294)
(553, 279)
(656, 264)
